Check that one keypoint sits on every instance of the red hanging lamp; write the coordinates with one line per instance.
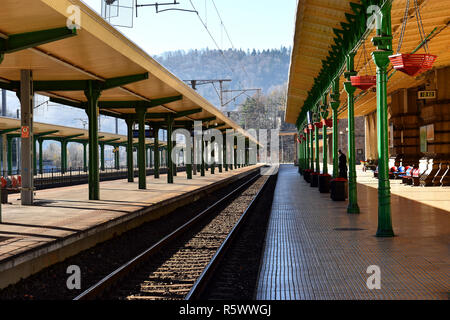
(327, 122)
(363, 82)
(413, 63)
(367, 81)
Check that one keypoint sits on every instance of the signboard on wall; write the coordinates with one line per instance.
(25, 131)
(426, 94)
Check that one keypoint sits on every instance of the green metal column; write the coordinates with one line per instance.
(141, 148)
(235, 153)
(335, 96)
(92, 95)
(187, 161)
(324, 115)
(352, 192)
(311, 152)
(10, 152)
(34, 155)
(325, 149)
(299, 157)
(247, 146)
(85, 157)
(174, 143)
(207, 156)
(299, 153)
(156, 153)
(170, 166)
(306, 142)
(102, 156)
(383, 42)
(220, 151)
(301, 146)
(220, 165)
(224, 153)
(305, 153)
(130, 166)
(63, 156)
(40, 141)
(232, 156)
(316, 137)
(202, 166)
(212, 154)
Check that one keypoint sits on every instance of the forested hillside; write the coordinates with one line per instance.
(264, 69)
(267, 70)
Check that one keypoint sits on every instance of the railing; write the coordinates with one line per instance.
(54, 177)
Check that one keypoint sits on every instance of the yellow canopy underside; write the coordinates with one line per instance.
(97, 52)
(314, 37)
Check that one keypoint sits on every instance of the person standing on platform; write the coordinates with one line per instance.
(342, 165)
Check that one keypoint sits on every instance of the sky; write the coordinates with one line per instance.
(259, 24)
(251, 24)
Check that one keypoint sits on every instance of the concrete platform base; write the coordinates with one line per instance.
(315, 250)
(63, 222)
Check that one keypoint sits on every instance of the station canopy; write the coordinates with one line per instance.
(315, 32)
(48, 131)
(99, 52)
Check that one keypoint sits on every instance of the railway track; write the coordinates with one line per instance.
(180, 264)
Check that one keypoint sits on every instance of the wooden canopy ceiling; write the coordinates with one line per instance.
(97, 52)
(314, 37)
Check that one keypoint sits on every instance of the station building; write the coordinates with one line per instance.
(388, 62)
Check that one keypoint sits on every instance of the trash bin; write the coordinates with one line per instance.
(338, 189)
(4, 199)
(324, 183)
(314, 179)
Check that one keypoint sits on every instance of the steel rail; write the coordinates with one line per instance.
(199, 286)
(108, 281)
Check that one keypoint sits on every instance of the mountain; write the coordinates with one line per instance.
(266, 69)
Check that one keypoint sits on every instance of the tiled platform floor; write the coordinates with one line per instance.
(305, 257)
(61, 212)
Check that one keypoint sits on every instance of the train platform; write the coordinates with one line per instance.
(63, 222)
(314, 250)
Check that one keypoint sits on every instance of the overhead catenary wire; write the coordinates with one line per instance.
(228, 35)
(216, 43)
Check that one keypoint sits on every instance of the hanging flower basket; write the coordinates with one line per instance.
(412, 64)
(363, 82)
(327, 122)
(318, 125)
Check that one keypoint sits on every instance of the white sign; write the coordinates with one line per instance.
(427, 94)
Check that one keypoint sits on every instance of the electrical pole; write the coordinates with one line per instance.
(195, 83)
